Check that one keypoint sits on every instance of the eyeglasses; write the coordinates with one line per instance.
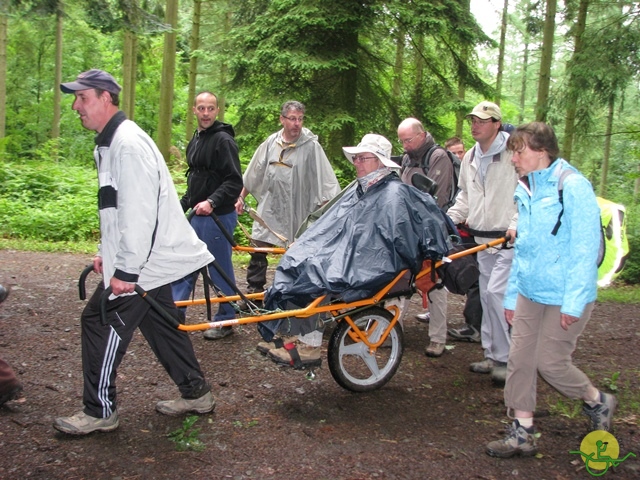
(294, 119)
(408, 142)
(202, 108)
(357, 159)
(477, 121)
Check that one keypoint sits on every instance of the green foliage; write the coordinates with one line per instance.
(50, 201)
(612, 382)
(620, 293)
(186, 437)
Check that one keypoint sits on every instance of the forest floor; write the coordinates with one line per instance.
(432, 420)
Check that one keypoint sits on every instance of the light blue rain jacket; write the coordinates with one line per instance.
(561, 269)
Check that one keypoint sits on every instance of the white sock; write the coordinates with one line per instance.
(525, 422)
(313, 339)
(597, 401)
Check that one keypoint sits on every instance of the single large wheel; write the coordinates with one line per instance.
(350, 360)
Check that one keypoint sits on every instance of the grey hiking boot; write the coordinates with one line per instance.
(82, 424)
(464, 334)
(602, 414)
(217, 333)
(485, 366)
(435, 349)
(519, 441)
(205, 404)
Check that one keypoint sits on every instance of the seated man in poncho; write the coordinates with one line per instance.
(379, 227)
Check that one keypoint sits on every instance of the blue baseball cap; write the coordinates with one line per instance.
(92, 79)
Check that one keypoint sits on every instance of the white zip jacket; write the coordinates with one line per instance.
(145, 237)
(489, 205)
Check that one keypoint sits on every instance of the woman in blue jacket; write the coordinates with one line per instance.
(552, 287)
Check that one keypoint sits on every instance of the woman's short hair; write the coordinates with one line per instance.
(538, 136)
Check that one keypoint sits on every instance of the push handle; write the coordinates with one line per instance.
(104, 298)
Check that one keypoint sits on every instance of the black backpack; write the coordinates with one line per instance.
(455, 161)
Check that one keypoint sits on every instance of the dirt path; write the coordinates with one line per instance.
(432, 420)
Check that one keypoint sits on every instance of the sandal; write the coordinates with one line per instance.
(265, 347)
(297, 356)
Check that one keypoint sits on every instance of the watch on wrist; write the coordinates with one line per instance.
(213, 205)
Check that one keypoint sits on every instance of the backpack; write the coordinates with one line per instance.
(614, 247)
(455, 161)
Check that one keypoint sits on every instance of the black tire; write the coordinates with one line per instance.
(350, 361)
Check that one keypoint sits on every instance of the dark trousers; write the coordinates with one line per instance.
(104, 346)
(473, 307)
(257, 269)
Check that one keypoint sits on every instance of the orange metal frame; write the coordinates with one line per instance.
(338, 310)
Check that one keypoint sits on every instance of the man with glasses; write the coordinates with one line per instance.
(485, 204)
(290, 177)
(214, 181)
(416, 143)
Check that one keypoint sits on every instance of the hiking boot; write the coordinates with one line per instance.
(435, 349)
(424, 317)
(519, 441)
(11, 394)
(217, 333)
(205, 404)
(297, 355)
(82, 424)
(465, 334)
(485, 366)
(602, 414)
(499, 373)
(264, 347)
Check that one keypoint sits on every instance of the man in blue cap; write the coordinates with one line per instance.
(145, 240)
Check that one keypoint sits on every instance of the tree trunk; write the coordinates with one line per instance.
(396, 88)
(546, 58)
(523, 86)
(129, 67)
(4, 10)
(167, 80)
(503, 36)
(55, 128)
(194, 44)
(224, 67)
(607, 149)
(417, 107)
(461, 111)
(572, 97)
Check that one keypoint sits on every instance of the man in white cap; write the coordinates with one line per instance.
(379, 227)
(145, 240)
(485, 204)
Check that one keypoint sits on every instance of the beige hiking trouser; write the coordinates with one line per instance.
(540, 345)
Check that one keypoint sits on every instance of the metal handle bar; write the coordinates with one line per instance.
(104, 298)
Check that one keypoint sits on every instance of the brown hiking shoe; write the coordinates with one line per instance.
(434, 349)
(297, 355)
(264, 347)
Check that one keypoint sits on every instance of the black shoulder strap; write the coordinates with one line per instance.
(427, 158)
(564, 174)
